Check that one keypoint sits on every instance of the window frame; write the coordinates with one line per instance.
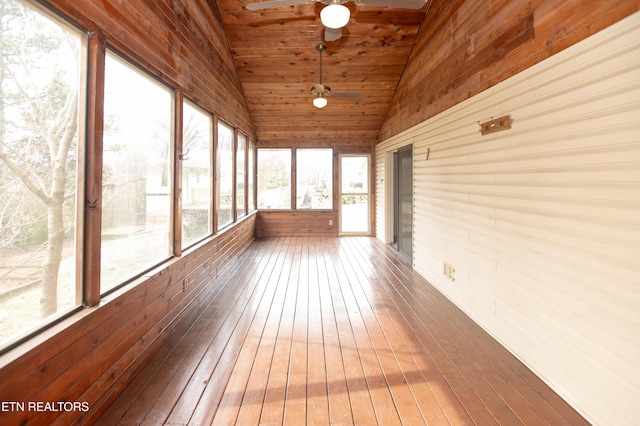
(294, 178)
(171, 169)
(252, 178)
(291, 175)
(180, 160)
(82, 136)
(241, 158)
(217, 161)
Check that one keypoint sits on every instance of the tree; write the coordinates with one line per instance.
(38, 126)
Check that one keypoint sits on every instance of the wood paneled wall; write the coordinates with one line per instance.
(541, 222)
(296, 223)
(465, 47)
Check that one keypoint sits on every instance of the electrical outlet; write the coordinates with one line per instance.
(448, 271)
(330, 222)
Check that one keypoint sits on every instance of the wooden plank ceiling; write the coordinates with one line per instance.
(275, 53)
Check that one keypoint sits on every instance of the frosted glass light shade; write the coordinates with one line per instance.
(335, 16)
(320, 102)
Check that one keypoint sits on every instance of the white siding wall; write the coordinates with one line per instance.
(542, 222)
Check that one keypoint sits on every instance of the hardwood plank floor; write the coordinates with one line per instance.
(333, 331)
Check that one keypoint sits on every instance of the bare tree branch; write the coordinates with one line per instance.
(38, 191)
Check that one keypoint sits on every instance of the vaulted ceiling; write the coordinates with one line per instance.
(275, 54)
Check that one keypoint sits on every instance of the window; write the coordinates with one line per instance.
(240, 175)
(314, 179)
(137, 174)
(274, 178)
(251, 191)
(224, 168)
(197, 176)
(41, 77)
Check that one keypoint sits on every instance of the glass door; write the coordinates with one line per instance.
(403, 201)
(355, 197)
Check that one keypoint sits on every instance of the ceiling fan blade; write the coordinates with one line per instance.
(332, 34)
(346, 95)
(294, 95)
(276, 3)
(402, 4)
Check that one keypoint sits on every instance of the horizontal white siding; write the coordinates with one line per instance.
(542, 222)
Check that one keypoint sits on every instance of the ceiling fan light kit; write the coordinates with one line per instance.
(335, 16)
(322, 92)
(320, 102)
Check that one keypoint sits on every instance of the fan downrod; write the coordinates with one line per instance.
(320, 47)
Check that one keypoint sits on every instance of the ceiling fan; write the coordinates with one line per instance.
(336, 15)
(320, 91)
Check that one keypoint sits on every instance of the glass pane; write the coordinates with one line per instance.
(314, 182)
(355, 175)
(274, 178)
(251, 176)
(197, 176)
(354, 214)
(41, 73)
(240, 174)
(354, 197)
(136, 176)
(405, 200)
(224, 168)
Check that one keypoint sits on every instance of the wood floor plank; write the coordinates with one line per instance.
(152, 380)
(382, 399)
(195, 346)
(317, 403)
(511, 403)
(317, 330)
(469, 389)
(361, 405)
(274, 401)
(387, 349)
(337, 389)
(295, 404)
(491, 361)
(236, 388)
(252, 401)
(200, 398)
(410, 359)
